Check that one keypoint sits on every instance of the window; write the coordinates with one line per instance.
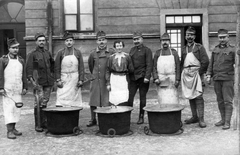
(175, 35)
(78, 15)
(183, 19)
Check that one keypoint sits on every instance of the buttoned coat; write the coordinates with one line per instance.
(97, 62)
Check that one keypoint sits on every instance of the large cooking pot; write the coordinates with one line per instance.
(62, 120)
(164, 118)
(114, 120)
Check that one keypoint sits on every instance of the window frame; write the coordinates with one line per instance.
(78, 18)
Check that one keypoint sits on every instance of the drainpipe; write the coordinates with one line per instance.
(50, 23)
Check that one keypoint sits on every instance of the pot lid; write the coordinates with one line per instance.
(62, 109)
(164, 108)
(113, 109)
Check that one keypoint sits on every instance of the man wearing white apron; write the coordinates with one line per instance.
(194, 63)
(166, 72)
(12, 85)
(119, 65)
(69, 74)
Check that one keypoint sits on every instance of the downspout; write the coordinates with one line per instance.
(50, 22)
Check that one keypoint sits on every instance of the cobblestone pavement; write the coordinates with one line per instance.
(194, 140)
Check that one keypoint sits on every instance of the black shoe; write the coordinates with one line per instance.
(92, 123)
(226, 126)
(16, 133)
(38, 129)
(191, 120)
(10, 135)
(202, 124)
(220, 123)
(140, 120)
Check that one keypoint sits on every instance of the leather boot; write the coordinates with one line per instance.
(43, 118)
(93, 120)
(200, 109)
(140, 119)
(194, 118)
(15, 131)
(10, 134)
(221, 108)
(38, 127)
(228, 115)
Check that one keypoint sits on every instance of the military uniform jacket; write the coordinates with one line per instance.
(200, 53)
(97, 62)
(222, 62)
(3, 64)
(45, 66)
(142, 61)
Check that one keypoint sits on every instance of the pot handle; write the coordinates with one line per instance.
(111, 132)
(181, 124)
(146, 130)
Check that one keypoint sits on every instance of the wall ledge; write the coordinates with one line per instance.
(215, 34)
(79, 36)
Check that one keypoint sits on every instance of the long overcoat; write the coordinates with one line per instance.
(97, 62)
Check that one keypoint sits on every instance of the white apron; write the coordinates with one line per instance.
(166, 69)
(119, 89)
(70, 94)
(191, 80)
(13, 86)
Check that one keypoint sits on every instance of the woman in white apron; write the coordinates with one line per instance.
(69, 72)
(12, 86)
(166, 72)
(118, 67)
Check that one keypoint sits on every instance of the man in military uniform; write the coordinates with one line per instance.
(142, 62)
(221, 69)
(42, 58)
(166, 67)
(97, 62)
(194, 63)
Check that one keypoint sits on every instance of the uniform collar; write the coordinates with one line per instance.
(40, 49)
(223, 45)
(106, 49)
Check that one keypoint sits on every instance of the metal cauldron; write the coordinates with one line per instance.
(63, 120)
(165, 118)
(114, 120)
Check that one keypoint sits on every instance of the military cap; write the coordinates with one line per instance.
(222, 32)
(37, 35)
(191, 30)
(165, 36)
(67, 35)
(137, 34)
(101, 34)
(12, 42)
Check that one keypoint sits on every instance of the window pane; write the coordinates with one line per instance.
(178, 19)
(187, 19)
(86, 6)
(173, 38)
(86, 22)
(170, 20)
(196, 19)
(70, 22)
(70, 6)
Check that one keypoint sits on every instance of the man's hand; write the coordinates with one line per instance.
(108, 87)
(176, 84)
(146, 80)
(208, 79)
(24, 92)
(157, 81)
(2, 91)
(60, 84)
(79, 84)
